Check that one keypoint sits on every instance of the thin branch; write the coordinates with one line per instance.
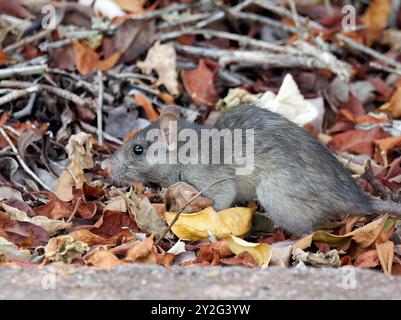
(99, 108)
(106, 136)
(35, 37)
(22, 162)
(22, 71)
(15, 94)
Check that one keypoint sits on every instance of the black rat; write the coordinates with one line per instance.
(297, 180)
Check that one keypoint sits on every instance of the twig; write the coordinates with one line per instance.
(384, 192)
(57, 91)
(106, 136)
(186, 204)
(75, 210)
(182, 19)
(21, 161)
(99, 108)
(13, 95)
(241, 39)
(219, 15)
(251, 57)
(35, 37)
(92, 87)
(379, 66)
(27, 109)
(23, 71)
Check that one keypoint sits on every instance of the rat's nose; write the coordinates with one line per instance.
(107, 165)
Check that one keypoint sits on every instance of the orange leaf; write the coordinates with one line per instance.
(375, 18)
(368, 259)
(147, 106)
(86, 58)
(108, 63)
(3, 58)
(104, 259)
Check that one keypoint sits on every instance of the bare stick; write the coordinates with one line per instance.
(57, 91)
(24, 71)
(99, 108)
(241, 39)
(13, 95)
(106, 136)
(182, 20)
(186, 204)
(22, 162)
(384, 192)
(219, 15)
(35, 37)
(75, 210)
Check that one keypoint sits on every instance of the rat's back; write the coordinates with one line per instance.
(298, 181)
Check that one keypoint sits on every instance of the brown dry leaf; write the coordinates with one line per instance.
(112, 223)
(375, 17)
(179, 194)
(368, 259)
(64, 248)
(394, 105)
(208, 252)
(143, 252)
(385, 146)
(11, 251)
(199, 83)
(385, 252)
(145, 215)
(108, 63)
(196, 226)
(364, 236)
(51, 226)
(358, 141)
(103, 259)
(244, 258)
(90, 238)
(79, 150)
(3, 58)
(147, 106)
(86, 58)
(162, 59)
(56, 209)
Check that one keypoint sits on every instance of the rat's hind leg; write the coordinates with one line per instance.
(283, 209)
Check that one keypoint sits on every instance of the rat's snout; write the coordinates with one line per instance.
(107, 165)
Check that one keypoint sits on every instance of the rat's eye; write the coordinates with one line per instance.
(138, 149)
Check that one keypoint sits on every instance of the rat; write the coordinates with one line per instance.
(297, 180)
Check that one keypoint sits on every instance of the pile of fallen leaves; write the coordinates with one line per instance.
(77, 78)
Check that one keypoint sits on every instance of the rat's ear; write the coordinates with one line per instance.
(168, 125)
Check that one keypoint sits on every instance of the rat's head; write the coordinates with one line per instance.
(133, 160)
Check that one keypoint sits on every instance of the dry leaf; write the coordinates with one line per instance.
(89, 238)
(103, 259)
(51, 226)
(3, 58)
(79, 149)
(385, 252)
(147, 106)
(11, 251)
(142, 252)
(132, 6)
(367, 259)
(179, 194)
(394, 105)
(375, 17)
(318, 259)
(195, 226)
(162, 59)
(364, 236)
(65, 249)
(261, 252)
(86, 58)
(200, 85)
(145, 215)
(108, 63)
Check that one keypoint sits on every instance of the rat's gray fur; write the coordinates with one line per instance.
(297, 180)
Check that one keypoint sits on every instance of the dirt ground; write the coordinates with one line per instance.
(154, 282)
